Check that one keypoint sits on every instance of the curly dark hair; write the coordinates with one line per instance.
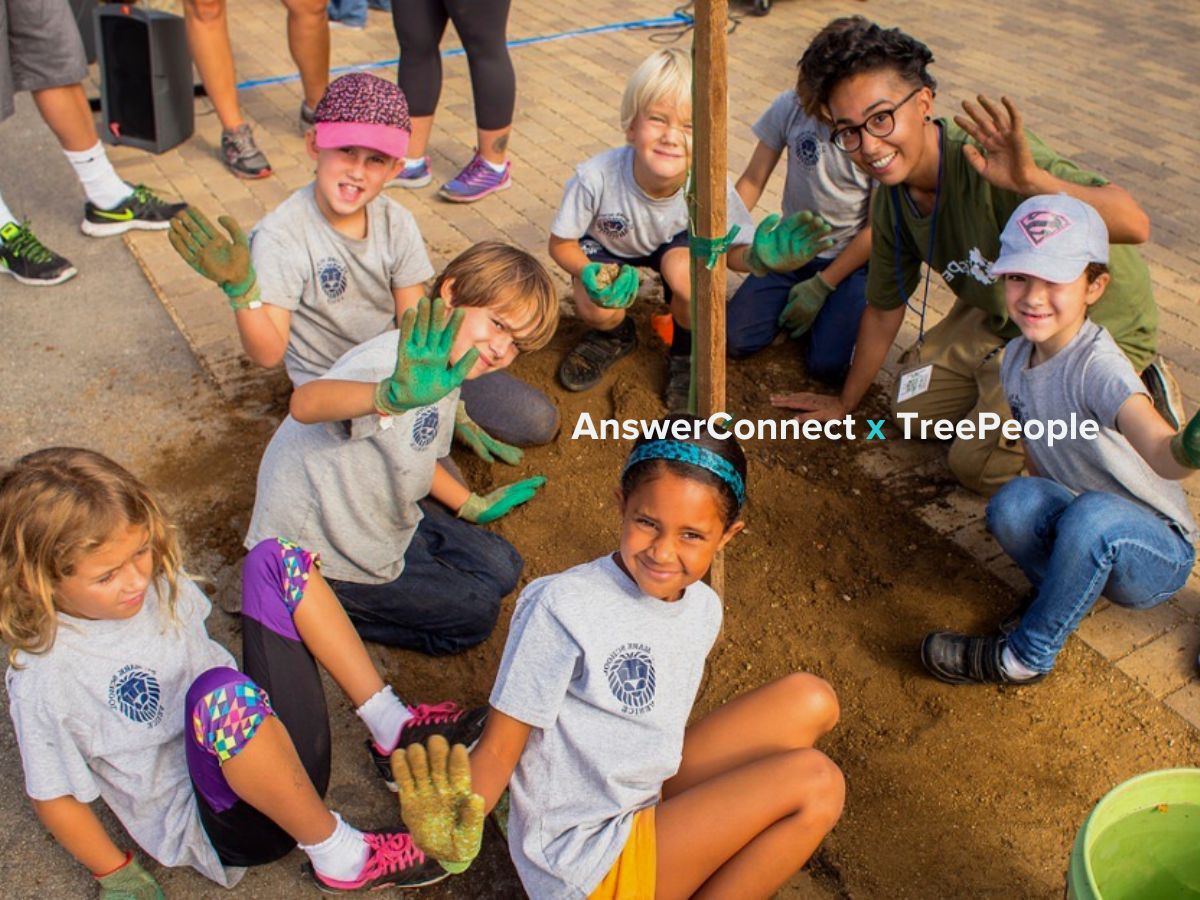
(851, 45)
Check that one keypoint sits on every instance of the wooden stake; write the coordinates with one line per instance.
(710, 106)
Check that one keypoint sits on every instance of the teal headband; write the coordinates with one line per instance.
(694, 456)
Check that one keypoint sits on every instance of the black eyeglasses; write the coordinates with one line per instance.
(879, 124)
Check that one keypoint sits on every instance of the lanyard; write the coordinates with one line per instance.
(896, 200)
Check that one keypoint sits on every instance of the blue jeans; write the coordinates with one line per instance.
(448, 596)
(1074, 548)
(348, 12)
(752, 319)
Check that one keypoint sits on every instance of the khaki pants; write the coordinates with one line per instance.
(964, 382)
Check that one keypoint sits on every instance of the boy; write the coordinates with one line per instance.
(626, 207)
(1095, 516)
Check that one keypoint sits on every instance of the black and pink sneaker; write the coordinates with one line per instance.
(394, 861)
(476, 181)
(451, 721)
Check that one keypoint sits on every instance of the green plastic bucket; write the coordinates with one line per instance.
(1141, 841)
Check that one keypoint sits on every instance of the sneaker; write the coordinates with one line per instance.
(242, 155)
(594, 355)
(348, 26)
(30, 261)
(308, 117)
(476, 181)
(141, 210)
(1164, 391)
(679, 383)
(960, 659)
(394, 861)
(451, 721)
(413, 175)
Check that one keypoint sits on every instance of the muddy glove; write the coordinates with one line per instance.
(441, 813)
(483, 444)
(499, 502)
(130, 882)
(804, 302)
(423, 372)
(1185, 446)
(225, 262)
(784, 246)
(618, 294)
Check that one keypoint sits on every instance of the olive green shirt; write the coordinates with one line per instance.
(971, 214)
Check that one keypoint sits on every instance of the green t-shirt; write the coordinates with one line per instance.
(971, 214)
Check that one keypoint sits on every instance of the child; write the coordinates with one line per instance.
(1094, 516)
(590, 708)
(337, 263)
(626, 207)
(945, 188)
(825, 299)
(117, 692)
(344, 474)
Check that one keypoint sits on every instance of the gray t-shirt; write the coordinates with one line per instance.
(604, 200)
(606, 675)
(101, 715)
(1092, 378)
(820, 177)
(338, 289)
(349, 490)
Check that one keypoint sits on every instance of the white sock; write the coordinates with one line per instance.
(1013, 667)
(340, 856)
(99, 179)
(6, 214)
(413, 163)
(384, 716)
(498, 168)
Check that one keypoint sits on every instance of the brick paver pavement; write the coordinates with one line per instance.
(1108, 84)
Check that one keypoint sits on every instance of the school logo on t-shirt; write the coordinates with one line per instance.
(1018, 411)
(134, 692)
(425, 427)
(613, 224)
(808, 148)
(331, 275)
(630, 673)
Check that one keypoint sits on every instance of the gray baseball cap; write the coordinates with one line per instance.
(1052, 237)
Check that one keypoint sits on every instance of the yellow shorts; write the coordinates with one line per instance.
(632, 875)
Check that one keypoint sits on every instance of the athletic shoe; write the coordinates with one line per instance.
(308, 117)
(413, 175)
(960, 659)
(679, 383)
(1164, 391)
(30, 261)
(476, 181)
(394, 861)
(242, 155)
(141, 210)
(594, 355)
(451, 721)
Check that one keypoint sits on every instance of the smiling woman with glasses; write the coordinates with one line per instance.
(943, 190)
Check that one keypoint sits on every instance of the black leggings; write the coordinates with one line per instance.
(482, 26)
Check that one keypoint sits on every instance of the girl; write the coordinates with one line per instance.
(612, 795)
(1096, 516)
(117, 692)
(346, 472)
(945, 189)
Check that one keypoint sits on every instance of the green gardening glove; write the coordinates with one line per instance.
(499, 502)
(1185, 446)
(485, 446)
(130, 882)
(225, 262)
(443, 816)
(423, 372)
(786, 245)
(618, 294)
(805, 300)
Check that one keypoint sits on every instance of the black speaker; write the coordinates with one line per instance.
(145, 77)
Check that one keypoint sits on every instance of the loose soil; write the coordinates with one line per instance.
(952, 792)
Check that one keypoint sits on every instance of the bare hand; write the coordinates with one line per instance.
(1007, 162)
(817, 407)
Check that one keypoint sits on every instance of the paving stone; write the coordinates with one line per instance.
(1117, 631)
(1186, 702)
(1167, 663)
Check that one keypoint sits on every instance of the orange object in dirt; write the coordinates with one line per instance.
(664, 326)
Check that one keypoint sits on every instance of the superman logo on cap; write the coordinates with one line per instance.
(1042, 224)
